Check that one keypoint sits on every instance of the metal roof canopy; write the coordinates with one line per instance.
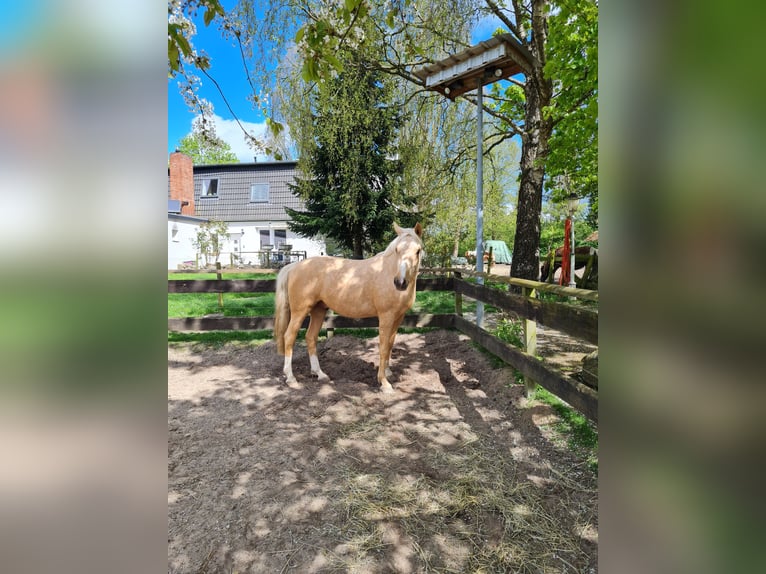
(495, 59)
(484, 63)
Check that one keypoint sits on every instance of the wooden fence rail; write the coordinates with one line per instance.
(577, 322)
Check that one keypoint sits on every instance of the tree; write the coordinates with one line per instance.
(308, 22)
(350, 166)
(551, 110)
(205, 150)
(210, 238)
(573, 63)
(542, 109)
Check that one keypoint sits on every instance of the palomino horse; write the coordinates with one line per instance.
(382, 286)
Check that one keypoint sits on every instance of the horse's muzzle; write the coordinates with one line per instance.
(400, 284)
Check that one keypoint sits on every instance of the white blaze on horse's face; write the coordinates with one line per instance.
(409, 250)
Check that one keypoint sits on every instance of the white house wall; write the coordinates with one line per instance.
(244, 239)
(180, 247)
(248, 238)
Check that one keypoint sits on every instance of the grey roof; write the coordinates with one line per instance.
(185, 218)
(502, 55)
(234, 181)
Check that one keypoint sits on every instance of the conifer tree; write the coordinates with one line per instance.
(350, 169)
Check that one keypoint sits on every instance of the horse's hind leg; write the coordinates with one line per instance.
(291, 333)
(317, 317)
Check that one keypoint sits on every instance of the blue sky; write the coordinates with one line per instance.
(227, 70)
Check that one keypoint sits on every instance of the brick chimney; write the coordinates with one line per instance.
(182, 181)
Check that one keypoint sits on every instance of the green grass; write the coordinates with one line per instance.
(219, 338)
(224, 275)
(234, 304)
(262, 304)
(434, 302)
(581, 434)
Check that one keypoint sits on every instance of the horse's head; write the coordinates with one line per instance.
(408, 249)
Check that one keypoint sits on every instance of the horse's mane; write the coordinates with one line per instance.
(391, 246)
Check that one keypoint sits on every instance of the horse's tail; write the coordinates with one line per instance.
(281, 309)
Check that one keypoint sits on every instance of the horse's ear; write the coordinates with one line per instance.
(398, 229)
(418, 229)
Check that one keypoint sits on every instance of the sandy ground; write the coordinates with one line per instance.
(454, 472)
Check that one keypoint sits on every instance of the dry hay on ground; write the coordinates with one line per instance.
(454, 472)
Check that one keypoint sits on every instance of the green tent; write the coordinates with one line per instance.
(500, 251)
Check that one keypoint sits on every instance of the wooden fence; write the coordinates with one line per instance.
(578, 322)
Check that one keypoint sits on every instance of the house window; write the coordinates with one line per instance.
(209, 188)
(265, 237)
(259, 193)
(280, 237)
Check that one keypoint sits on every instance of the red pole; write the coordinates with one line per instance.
(565, 256)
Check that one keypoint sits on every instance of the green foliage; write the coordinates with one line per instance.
(210, 238)
(330, 31)
(351, 174)
(511, 331)
(572, 63)
(436, 139)
(205, 148)
(552, 227)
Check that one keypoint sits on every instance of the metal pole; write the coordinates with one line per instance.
(480, 195)
(571, 252)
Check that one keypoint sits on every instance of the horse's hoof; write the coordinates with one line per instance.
(291, 381)
(386, 387)
(322, 377)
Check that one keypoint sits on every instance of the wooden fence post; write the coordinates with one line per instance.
(551, 260)
(530, 339)
(582, 281)
(458, 297)
(218, 276)
(330, 330)
(489, 261)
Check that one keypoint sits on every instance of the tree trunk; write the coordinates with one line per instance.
(456, 246)
(526, 244)
(538, 92)
(358, 250)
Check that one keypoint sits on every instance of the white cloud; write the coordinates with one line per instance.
(231, 132)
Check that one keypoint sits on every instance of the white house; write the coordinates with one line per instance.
(250, 197)
(182, 230)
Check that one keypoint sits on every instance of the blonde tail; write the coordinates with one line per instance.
(281, 309)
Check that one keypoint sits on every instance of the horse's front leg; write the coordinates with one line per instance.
(388, 328)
